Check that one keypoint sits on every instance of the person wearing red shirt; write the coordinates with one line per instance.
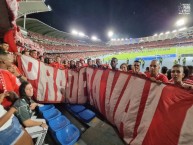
(58, 63)
(136, 68)
(154, 74)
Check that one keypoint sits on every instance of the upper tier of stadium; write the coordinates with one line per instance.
(47, 32)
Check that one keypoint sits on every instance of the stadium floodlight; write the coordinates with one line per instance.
(155, 34)
(122, 39)
(182, 29)
(174, 31)
(118, 39)
(161, 33)
(74, 32)
(81, 34)
(180, 22)
(94, 38)
(110, 34)
(49, 8)
(168, 32)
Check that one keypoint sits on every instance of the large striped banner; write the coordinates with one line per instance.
(145, 113)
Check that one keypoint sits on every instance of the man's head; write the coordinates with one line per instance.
(177, 73)
(89, 62)
(114, 62)
(50, 60)
(5, 46)
(58, 59)
(82, 61)
(98, 62)
(136, 66)
(154, 67)
(5, 60)
(33, 53)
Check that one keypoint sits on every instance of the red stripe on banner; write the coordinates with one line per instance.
(36, 81)
(144, 97)
(55, 86)
(121, 95)
(91, 88)
(46, 93)
(116, 76)
(127, 107)
(168, 119)
(71, 86)
(29, 66)
(78, 86)
(103, 85)
(121, 125)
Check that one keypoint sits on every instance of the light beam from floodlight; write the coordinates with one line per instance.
(74, 32)
(180, 22)
(182, 29)
(110, 34)
(168, 32)
(81, 34)
(94, 38)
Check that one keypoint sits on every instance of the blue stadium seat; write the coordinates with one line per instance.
(77, 108)
(68, 135)
(86, 115)
(58, 123)
(51, 114)
(46, 108)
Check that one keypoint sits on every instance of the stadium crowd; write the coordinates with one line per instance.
(17, 92)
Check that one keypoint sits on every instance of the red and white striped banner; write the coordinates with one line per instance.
(145, 113)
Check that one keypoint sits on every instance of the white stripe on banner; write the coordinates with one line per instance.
(96, 88)
(133, 94)
(115, 95)
(89, 73)
(186, 134)
(60, 83)
(150, 108)
(108, 91)
(27, 61)
(46, 78)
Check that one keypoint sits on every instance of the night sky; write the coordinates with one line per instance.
(128, 18)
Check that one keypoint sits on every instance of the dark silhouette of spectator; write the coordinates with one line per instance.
(114, 62)
(164, 70)
(169, 74)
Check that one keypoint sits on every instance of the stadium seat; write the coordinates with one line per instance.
(58, 123)
(77, 108)
(46, 108)
(51, 114)
(86, 115)
(68, 135)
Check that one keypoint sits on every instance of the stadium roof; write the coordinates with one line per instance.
(37, 26)
(32, 6)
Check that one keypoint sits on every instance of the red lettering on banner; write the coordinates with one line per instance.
(46, 77)
(72, 86)
(103, 86)
(89, 73)
(167, 122)
(60, 84)
(95, 88)
(82, 97)
(125, 121)
(30, 67)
